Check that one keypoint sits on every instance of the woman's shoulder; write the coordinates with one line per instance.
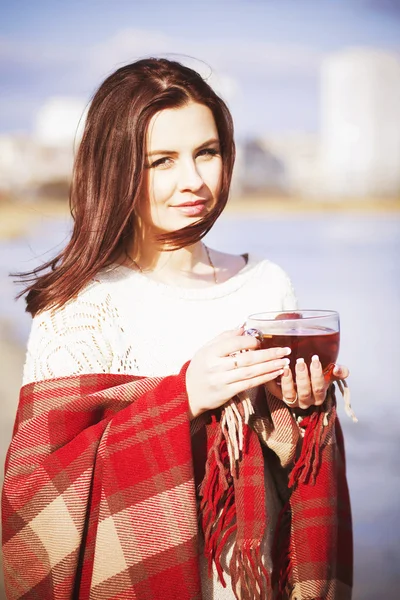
(92, 305)
(262, 277)
(271, 273)
(236, 264)
(271, 268)
(83, 335)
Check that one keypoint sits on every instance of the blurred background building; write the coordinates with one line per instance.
(354, 153)
(40, 164)
(360, 132)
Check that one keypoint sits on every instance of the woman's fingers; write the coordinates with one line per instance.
(241, 386)
(303, 384)
(318, 383)
(288, 388)
(254, 357)
(245, 373)
(228, 344)
(340, 372)
(236, 362)
(310, 386)
(225, 336)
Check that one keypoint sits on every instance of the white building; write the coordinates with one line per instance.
(28, 162)
(360, 143)
(60, 121)
(16, 162)
(299, 153)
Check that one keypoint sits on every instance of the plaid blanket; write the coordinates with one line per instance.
(99, 498)
(312, 551)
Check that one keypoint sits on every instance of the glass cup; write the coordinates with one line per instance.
(306, 332)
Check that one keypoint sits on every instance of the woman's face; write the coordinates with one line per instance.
(184, 167)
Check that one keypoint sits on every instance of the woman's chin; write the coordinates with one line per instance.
(175, 225)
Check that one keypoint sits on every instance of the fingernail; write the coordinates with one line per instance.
(300, 364)
(287, 350)
(315, 360)
(286, 361)
(286, 372)
(337, 370)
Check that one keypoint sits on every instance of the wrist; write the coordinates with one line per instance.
(194, 409)
(193, 412)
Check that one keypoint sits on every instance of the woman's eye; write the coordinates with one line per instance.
(162, 163)
(208, 152)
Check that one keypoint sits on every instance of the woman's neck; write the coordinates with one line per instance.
(191, 266)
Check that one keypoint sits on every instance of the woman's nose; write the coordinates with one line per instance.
(189, 177)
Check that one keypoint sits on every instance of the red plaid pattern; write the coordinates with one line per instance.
(99, 495)
(99, 498)
(312, 552)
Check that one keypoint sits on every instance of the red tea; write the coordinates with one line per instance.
(306, 342)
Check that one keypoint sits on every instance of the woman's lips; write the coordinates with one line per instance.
(192, 209)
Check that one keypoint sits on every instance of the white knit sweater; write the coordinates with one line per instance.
(125, 322)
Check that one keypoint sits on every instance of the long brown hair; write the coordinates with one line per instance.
(109, 171)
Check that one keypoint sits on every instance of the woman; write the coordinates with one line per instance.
(143, 407)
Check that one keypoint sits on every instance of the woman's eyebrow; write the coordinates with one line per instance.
(154, 152)
(213, 141)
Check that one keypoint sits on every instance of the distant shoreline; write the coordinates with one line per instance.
(16, 218)
(304, 205)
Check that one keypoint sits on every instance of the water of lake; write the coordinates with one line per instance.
(345, 262)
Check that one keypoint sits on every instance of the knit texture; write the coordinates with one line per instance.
(124, 322)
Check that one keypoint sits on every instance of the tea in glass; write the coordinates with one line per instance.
(306, 332)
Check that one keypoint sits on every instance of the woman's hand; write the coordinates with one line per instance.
(310, 386)
(229, 364)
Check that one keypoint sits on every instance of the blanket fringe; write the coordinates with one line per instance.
(306, 466)
(250, 578)
(234, 416)
(318, 426)
(345, 391)
(217, 506)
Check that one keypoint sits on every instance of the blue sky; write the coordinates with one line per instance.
(265, 55)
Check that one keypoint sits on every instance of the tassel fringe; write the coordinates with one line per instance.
(318, 427)
(250, 579)
(235, 414)
(217, 506)
(345, 391)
